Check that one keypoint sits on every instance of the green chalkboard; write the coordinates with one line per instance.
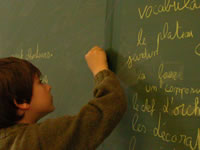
(153, 46)
(157, 46)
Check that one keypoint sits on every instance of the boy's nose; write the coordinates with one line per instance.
(49, 87)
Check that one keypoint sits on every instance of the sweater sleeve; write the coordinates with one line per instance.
(94, 122)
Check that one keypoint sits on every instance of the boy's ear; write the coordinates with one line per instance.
(23, 106)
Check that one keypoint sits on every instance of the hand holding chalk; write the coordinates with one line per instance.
(96, 60)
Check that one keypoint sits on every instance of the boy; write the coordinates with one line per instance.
(24, 99)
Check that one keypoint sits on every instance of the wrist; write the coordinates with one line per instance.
(97, 71)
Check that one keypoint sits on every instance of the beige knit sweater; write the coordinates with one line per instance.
(84, 131)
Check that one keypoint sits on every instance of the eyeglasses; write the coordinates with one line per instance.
(43, 79)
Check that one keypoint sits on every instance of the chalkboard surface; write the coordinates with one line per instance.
(158, 58)
(153, 46)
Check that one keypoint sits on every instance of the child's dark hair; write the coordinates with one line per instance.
(16, 82)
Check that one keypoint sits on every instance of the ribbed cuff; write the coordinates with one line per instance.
(101, 75)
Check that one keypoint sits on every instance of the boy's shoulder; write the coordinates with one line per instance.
(18, 135)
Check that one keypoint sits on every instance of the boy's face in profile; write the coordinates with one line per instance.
(41, 100)
(40, 105)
